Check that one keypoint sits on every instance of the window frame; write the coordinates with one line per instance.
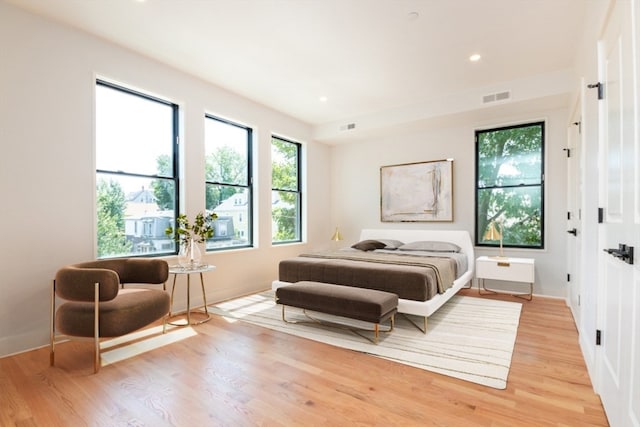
(478, 234)
(297, 191)
(248, 187)
(175, 125)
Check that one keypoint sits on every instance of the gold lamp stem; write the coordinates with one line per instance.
(493, 233)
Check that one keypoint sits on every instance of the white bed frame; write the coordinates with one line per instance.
(424, 308)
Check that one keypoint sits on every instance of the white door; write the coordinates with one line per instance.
(574, 213)
(618, 189)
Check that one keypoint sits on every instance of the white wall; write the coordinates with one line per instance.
(47, 171)
(356, 183)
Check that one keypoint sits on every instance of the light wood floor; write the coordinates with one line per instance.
(234, 374)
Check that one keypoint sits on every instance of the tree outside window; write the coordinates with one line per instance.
(285, 194)
(510, 184)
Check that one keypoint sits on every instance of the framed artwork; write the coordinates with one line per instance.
(417, 192)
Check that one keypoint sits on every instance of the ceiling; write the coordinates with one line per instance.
(364, 57)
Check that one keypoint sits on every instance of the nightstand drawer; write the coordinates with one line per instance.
(513, 269)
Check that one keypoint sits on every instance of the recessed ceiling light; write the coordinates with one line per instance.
(323, 99)
(475, 57)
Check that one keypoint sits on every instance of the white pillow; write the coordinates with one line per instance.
(430, 246)
(390, 243)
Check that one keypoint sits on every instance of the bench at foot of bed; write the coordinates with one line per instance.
(368, 305)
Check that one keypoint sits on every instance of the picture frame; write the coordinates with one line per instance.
(417, 192)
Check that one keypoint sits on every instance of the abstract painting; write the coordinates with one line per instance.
(417, 192)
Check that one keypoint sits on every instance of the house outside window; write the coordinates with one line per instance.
(136, 172)
(510, 185)
(286, 194)
(228, 186)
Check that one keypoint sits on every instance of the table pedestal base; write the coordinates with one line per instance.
(193, 317)
(187, 318)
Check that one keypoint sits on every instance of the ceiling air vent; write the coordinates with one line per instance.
(348, 126)
(495, 97)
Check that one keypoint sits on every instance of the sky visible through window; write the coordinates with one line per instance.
(131, 133)
(220, 134)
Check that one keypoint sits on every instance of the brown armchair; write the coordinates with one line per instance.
(96, 305)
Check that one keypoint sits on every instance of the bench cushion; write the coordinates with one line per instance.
(368, 305)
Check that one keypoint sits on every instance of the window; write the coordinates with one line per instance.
(285, 191)
(510, 185)
(228, 182)
(136, 172)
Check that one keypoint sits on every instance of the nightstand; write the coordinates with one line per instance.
(506, 268)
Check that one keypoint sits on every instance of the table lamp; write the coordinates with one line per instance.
(492, 233)
(336, 236)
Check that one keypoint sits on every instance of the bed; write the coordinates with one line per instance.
(405, 278)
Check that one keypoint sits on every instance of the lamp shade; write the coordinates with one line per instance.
(336, 236)
(492, 232)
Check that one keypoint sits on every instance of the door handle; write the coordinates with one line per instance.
(624, 253)
(573, 231)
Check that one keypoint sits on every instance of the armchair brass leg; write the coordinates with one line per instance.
(96, 329)
(52, 328)
(96, 359)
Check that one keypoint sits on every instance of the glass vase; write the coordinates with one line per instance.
(189, 255)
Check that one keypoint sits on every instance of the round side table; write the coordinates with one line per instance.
(205, 316)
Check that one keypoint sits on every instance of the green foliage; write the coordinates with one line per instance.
(510, 183)
(201, 230)
(224, 166)
(284, 176)
(163, 189)
(284, 169)
(110, 210)
(286, 222)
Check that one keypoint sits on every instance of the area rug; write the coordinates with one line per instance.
(467, 338)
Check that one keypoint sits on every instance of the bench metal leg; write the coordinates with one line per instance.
(358, 331)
